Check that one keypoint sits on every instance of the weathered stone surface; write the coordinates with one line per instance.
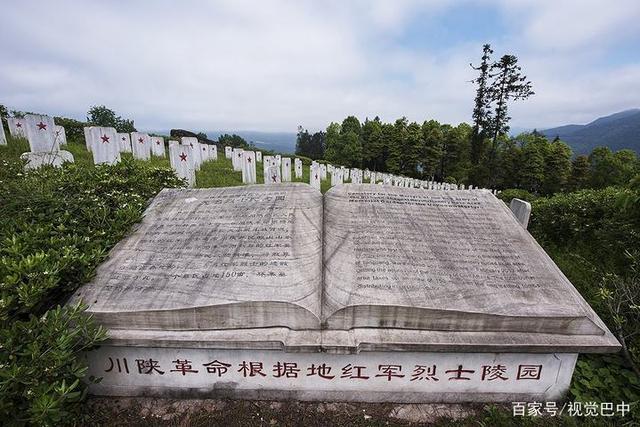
(55, 158)
(105, 145)
(17, 127)
(41, 133)
(157, 146)
(181, 159)
(141, 145)
(364, 377)
(124, 140)
(439, 260)
(61, 135)
(249, 167)
(216, 259)
(522, 210)
(3, 138)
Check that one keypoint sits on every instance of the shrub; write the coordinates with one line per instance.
(516, 193)
(56, 226)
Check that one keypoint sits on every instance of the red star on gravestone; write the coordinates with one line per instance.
(105, 139)
(42, 126)
(18, 124)
(140, 140)
(204, 149)
(248, 159)
(183, 157)
(124, 139)
(158, 142)
(316, 176)
(191, 144)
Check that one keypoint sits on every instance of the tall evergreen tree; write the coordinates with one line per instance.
(579, 177)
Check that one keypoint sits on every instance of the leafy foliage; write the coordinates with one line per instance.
(56, 226)
(99, 115)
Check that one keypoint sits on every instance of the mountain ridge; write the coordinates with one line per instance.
(617, 131)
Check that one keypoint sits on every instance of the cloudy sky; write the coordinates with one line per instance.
(271, 65)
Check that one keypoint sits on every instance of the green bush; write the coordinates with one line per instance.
(56, 226)
(515, 193)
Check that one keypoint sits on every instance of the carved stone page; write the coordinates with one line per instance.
(440, 260)
(238, 257)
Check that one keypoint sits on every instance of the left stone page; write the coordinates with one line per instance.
(236, 257)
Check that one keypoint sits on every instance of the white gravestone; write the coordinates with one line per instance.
(141, 145)
(205, 153)
(237, 159)
(55, 159)
(286, 169)
(273, 173)
(173, 142)
(323, 172)
(228, 152)
(195, 153)
(87, 137)
(61, 135)
(157, 146)
(182, 161)
(41, 133)
(314, 177)
(298, 168)
(213, 152)
(259, 156)
(124, 140)
(249, 167)
(279, 160)
(105, 146)
(3, 138)
(522, 210)
(266, 162)
(17, 127)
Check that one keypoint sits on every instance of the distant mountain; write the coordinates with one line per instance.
(617, 131)
(281, 142)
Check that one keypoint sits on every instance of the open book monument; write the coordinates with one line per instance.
(370, 293)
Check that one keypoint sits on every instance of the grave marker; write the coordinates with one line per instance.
(157, 146)
(105, 145)
(124, 141)
(141, 145)
(41, 133)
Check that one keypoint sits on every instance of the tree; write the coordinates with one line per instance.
(532, 171)
(99, 115)
(432, 148)
(482, 115)
(510, 164)
(557, 166)
(579, 177)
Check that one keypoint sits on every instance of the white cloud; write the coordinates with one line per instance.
(274, 65)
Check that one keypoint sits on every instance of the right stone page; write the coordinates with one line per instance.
(440, 260)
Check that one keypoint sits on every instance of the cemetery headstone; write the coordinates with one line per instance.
(124, 140)
(141, 145)
(298, 168)
(3, 138)
(17, 127)
(228, 152)
(41, 133)
(259, 156)
(182, 161)
(196, 154)
(54, 158)
(249, 167)
(286, 169)
(522, 210)
(87, 137)
(105, 145)
(61, 135)
(157, 146)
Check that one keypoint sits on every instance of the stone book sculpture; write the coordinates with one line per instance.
(364, 268)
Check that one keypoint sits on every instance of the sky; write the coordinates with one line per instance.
(273, 65)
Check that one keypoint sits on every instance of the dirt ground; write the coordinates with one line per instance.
(207, 412)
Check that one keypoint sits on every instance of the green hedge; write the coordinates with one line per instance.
(56, 226)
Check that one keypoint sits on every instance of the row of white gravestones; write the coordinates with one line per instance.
(44, 142)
